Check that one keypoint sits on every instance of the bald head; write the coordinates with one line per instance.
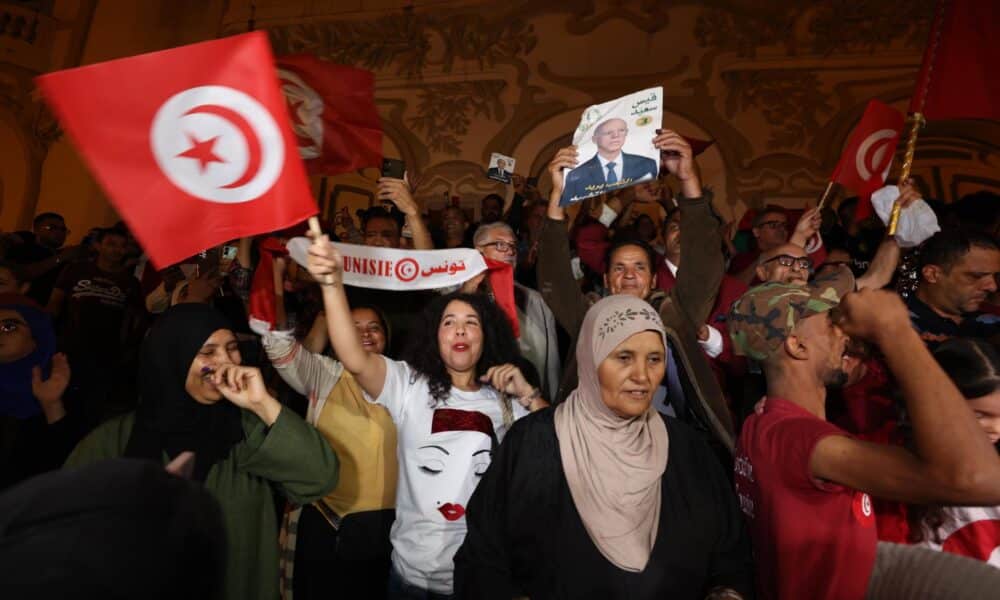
(609, 137)
(787, 263)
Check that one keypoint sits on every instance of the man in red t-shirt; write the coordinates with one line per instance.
(804, 483)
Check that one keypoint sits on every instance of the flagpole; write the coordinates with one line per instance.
(904, 173)
(917, 106)
(825, 196)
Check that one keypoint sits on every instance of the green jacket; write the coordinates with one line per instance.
(292, 456)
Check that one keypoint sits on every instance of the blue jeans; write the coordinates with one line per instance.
(399, 589)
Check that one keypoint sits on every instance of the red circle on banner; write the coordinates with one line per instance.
(407, 269)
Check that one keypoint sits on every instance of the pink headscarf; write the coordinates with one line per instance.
(613, 465)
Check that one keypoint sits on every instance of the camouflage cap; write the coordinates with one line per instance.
(761, 320)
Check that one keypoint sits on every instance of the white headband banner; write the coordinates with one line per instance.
(392, 269)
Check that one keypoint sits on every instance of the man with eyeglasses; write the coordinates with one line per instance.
(787, 263)
(42, 255)
(770, 230)
(539, 341)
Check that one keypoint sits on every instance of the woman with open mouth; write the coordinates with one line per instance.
(603, 497)
(451, 401)
(197, 396)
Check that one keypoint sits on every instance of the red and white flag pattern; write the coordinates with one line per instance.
(864, 164)
(192, 145)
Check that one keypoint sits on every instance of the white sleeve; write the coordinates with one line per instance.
(713, 345)
(305, 372)
(608, 216)
(399, 386)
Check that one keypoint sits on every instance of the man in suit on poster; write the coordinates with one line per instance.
(499, 172)
(610, 168)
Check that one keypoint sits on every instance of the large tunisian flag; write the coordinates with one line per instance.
(864, 164)
(336, 124)
(958, 79)
(192, 145)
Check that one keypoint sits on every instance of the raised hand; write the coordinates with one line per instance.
(873, 315)
(509, 380)
(244, 387)
(50, 391)
(908, 193)
(808, 226)
(398, 192)
(678, 158)
(565, 158)
(324, 262)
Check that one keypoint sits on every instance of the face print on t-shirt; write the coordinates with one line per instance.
(452, 460)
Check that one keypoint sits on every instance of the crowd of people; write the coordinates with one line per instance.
(807, 407)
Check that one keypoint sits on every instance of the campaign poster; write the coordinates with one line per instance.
(500, 168)
(615, 144)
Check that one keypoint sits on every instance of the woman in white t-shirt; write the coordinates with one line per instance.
(452, 402)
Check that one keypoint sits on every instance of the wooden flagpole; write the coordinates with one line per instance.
(825, 196)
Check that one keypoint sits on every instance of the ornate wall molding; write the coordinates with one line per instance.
(778, 85)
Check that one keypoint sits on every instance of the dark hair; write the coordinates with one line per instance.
(767, 210)
(47, 216)
(950, 245)
(979, 211)
(496, 197)
(15, 270)
(630, 241)
(380, 212)
(103, 233)
(424, 356)
(973, 365)
(383, 321)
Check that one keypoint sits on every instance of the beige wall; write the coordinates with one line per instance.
(778, 88)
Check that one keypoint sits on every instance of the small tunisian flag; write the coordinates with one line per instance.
(333, 113)
(958, 79)
(192, 145)
(865, 162)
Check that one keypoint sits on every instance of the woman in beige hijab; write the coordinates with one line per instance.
(603, 497)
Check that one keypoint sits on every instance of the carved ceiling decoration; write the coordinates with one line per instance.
(823, 28)
(403, 43)
(791, 102)
(443, 111)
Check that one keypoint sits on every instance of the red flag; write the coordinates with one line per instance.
(865, 162)
(263, 300)
(192, 145)
(333, 114)
(958, 78)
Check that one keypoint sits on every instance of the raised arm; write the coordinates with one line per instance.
(326, 266)
(398, 192)
(879, 274)
(954, 462)
(555, 272)
(886, 259)
(700, 271)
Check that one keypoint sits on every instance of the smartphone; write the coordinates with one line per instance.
(393, 167)
(532, 182)
(229, 253)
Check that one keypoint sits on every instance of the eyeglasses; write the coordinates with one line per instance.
(801, 263)
(774, 224)
(11, 325)
(502, 246)
(56, 228)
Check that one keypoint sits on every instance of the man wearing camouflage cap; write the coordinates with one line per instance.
(804, 484)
